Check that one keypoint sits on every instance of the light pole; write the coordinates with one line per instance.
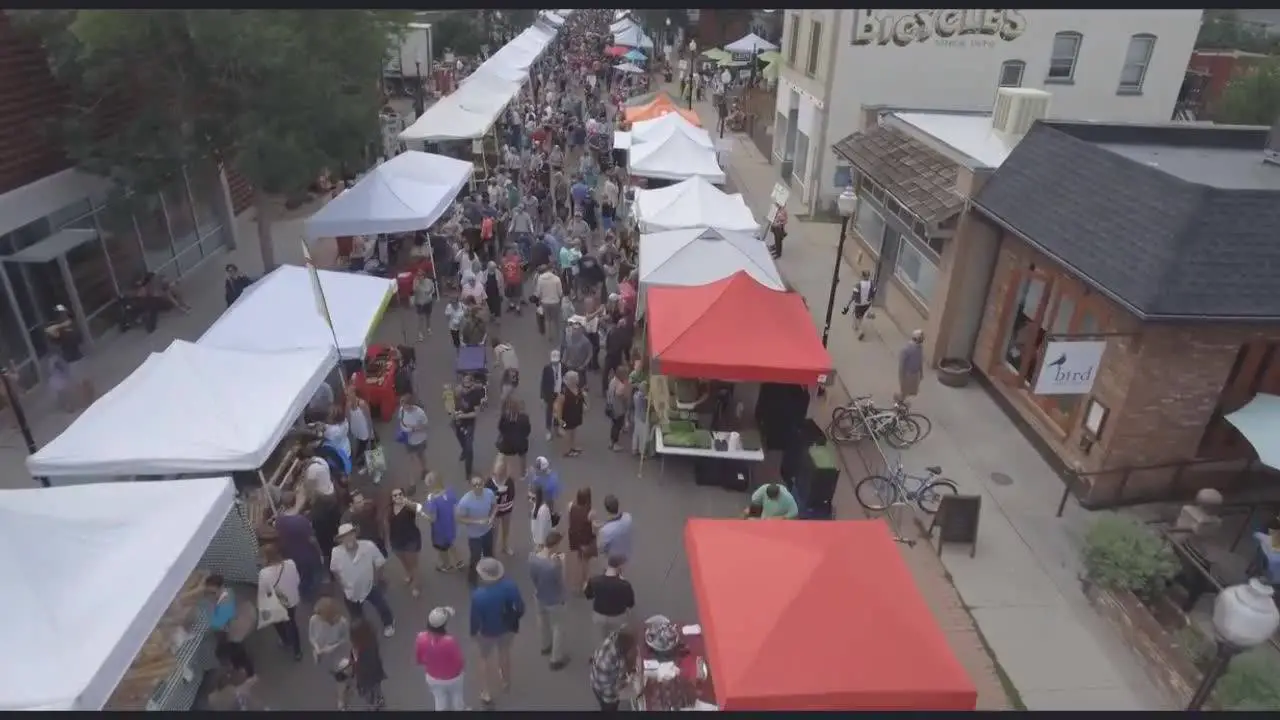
(1244, 617)
(12, 392)
(693, 55)
(846, 204)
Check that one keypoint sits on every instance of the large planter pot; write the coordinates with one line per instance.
(955, 372)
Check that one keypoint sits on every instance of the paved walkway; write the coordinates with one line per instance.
(1022, 587)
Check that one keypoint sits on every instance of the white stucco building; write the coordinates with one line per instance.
(1109, 65)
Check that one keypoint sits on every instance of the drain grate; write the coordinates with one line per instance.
(1001, 479)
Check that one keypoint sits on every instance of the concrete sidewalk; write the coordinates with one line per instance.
(1022, 587)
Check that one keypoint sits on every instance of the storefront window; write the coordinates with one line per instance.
(75, 211)
(88, 264)
(870, 226)
(154, 229)
(1021, 338)
(779, 134)
(915, 270)
(206, 193)
(120, 236)
(182, 220)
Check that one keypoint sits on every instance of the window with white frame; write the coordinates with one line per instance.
(1136, 60)
(815, 44)
(915, 270)
(870, 226)
(1011, 72)
(793, 38)
(1066, 50)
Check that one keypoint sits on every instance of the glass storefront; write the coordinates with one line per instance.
(172, 233)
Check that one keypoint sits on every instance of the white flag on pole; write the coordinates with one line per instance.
(322, 307)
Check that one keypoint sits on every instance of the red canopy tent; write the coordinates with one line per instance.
(617, 51)
(818, 616)
(734, 329)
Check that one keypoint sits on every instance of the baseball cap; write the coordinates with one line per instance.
(541, 464)
(345, 529)
(555, 356)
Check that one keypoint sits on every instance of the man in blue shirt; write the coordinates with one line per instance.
(496, 609)
(475, 513)
(579, 191)
(547, 479)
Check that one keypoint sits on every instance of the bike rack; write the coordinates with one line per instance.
(900, 504)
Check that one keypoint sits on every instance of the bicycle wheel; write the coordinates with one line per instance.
(901, 433)
(846, 426)
(926, 425)
(931, 494)
(875, 492)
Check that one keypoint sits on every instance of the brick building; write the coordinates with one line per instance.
(1218, 68)
(59, 241)
(1140, 258)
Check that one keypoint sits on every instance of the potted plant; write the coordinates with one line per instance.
(1122, 554)
(954, 372)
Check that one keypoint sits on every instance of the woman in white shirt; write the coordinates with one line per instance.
(360, 423)
(411, 430)
(279, 577)
(540, 518)
(337, 432)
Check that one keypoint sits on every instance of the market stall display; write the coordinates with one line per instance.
(633, 37)
(278, 312)
(144, 426)
(693, 203)
(693, 257)
(691, 667)
(100, 608)
(839, 623)
(750, 44)
(376, 383)
(408, 192)
(697, 332)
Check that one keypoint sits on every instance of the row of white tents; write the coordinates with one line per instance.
(670, 148)
(468, 112)
(628, 33)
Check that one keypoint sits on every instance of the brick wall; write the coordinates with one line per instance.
(1161, 385)
(29, 102)
(241, 191)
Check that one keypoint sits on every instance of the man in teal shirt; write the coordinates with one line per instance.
(775, 502)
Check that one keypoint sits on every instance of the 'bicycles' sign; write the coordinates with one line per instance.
(953, 28)
(1069, 367)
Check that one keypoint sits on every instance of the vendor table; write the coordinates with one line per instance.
(713, 467)
(694, 656)
(376, 384)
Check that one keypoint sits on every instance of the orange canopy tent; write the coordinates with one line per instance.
(807, 615)
(661, 105)
(735, 330)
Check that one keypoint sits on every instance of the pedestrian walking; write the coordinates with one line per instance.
(411, 431)
(864, 291)
(441, 510)
(279, 579)
(369, 520)
(910, 367)
(551, 384)
(504, 493)
(640, 412)
(570, 409)
(329, 631)
(548, 480)
(617, 406)
(360, 423)
(232, 620)
(514, 429)
(507, 363)
(357, 564)
(582, 538)
(454, 313)
(424, 298)
(546, 570)
(548, 288)
(496, 611)
(468, 400)
(614, 532)
(296, 540)
(369, 672)
(440, 656)
(612, 665)
(476, 511)
(612, 599)
(405, 537)
(779, 229)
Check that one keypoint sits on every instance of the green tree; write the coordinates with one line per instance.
(1253, 97)
(280, 95)
(460, 34)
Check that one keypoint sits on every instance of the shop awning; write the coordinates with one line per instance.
(818, 616)
(89, 571)
(278, 312)
(916, 175)
(190, 409)
(1259, 423)
(699, 332)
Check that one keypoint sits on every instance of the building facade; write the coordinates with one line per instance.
(1130, 265)
(60, 243)
(1106, 65)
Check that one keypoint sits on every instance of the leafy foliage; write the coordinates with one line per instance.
(1121, 553)
(460, 33)
(1252, 682)
(1224, 30)
(1253, 97)
(281, 95)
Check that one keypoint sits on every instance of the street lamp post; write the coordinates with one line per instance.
(693, 55)
(846, 204)
(1244, 617)
(9, 378)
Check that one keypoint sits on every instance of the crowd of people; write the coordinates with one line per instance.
(541, 236)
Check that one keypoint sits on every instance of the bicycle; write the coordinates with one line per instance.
(861, 419)
(876, 493)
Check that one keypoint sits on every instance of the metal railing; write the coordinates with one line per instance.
(1228, 476)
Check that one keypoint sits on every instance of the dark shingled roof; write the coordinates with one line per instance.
(917, 176)
(1166, 247)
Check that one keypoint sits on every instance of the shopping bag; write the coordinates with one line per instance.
(375, 459)
(271, 609)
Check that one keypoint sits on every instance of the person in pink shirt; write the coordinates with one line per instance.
(440, 656)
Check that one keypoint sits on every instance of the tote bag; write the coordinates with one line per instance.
(271, 609)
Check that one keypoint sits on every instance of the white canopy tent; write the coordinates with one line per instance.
(504, 73)
(553, 18)
(750, 45)
(633, 37)
(676, 157)
(279, 313)
(624, 22)
(693, 203)
(698, 256)
(406, 193)
(245, 404)
(90, 571)
(629, 68)
(660, 127)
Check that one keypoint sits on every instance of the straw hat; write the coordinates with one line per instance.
(490, 570)
(439, 616)
(344, 530)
